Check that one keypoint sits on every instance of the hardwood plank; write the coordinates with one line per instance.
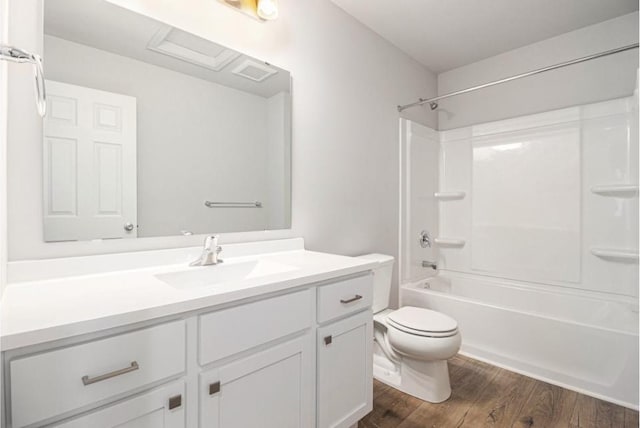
(486, 396)
(499, 403)
(631, 418)
(379, 388)
(593, 413)
(584, 414)
(467, 381)
(609, 415)
(426, 410)
(390, 408)
(548, 406)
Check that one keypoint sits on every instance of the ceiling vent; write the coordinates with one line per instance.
(254, 70)
(187, 47)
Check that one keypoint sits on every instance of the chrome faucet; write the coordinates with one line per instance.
(210, 252)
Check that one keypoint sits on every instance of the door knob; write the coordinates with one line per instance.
(129, 227)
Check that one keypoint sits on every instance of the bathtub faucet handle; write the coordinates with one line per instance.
(428, 264)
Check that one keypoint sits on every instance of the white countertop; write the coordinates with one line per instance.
(45, 310)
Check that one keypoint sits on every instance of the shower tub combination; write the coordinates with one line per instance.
(526, 232)
(562, 338)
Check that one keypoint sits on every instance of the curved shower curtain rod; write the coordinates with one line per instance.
(433, 102)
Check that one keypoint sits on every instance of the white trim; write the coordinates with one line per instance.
(402, 124)
(4, 13)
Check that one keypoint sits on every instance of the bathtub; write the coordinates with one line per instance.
(577, 340)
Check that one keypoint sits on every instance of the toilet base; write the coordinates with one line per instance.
(426, 380)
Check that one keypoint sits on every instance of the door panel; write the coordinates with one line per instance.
(345, 365)
(271, 389)
(149, 410)
(89, 164)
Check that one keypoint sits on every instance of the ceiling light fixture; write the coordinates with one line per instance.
(262, 10)
(268, 9)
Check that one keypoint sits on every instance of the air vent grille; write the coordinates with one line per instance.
(254, 70)
(187, 47)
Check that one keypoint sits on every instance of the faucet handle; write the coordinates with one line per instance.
(211, 242)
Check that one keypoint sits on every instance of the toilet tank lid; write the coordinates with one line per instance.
(383, 259)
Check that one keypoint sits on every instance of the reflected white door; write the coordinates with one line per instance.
(89, 164)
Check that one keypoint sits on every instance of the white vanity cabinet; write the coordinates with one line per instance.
(344, 353)
(160, 408)
(65, 380)
(264, 361)
(270, 389)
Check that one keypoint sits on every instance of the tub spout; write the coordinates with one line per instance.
(428, 264)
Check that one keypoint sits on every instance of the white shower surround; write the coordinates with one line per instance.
(552, 308)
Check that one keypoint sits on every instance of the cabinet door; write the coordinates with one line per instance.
(270, 389)
(345, 366)
(160, 408)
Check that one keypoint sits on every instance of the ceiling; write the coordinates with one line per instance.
(104, 26)
(446, 34)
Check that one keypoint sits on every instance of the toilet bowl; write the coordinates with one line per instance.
(423, 334)
(412, 345)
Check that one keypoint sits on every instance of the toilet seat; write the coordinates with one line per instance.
(422, 322)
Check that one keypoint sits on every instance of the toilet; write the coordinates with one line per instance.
(412, 345)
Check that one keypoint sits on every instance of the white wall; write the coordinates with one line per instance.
(193, 141)
(347, 82)
(278, 164)
(589, 82)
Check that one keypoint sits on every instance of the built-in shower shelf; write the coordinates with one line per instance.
(449, 196)
(616, 190)
(449, 242)
(615, 255)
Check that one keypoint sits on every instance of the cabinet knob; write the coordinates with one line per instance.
(328, 340)
(214, 388)
(129, 227)
(175, 402)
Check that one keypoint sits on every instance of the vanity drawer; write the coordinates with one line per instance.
(60, 381)
(344, 297)
(229, 331)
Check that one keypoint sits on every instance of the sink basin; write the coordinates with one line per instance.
(224, 272)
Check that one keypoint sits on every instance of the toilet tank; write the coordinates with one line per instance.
(381, 280)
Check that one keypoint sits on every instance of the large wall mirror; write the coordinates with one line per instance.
(152, 131)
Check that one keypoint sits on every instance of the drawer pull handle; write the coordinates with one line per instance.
(353, 299)
(86, 380)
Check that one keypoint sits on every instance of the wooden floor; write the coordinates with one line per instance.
(487, 396)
